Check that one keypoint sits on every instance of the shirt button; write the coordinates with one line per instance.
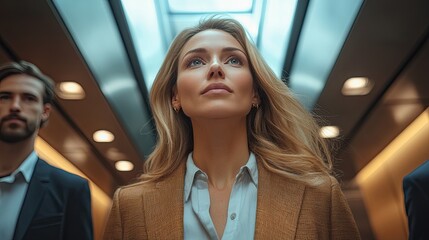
(233, 216)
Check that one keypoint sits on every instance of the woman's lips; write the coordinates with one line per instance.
(217, 88)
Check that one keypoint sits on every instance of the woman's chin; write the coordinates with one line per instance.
(218, 113)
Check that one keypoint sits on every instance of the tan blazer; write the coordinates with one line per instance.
(286, 209)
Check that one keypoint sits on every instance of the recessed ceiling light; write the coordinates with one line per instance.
(124, 166)
(103, 136)
(329, 132)
(70, 91)
(357, 86)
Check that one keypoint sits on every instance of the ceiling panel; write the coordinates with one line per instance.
(403, 101)
(38, 36)
(383, 41)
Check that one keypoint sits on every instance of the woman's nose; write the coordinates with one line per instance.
(216, 70)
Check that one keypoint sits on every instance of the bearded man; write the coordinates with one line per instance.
(37, 200)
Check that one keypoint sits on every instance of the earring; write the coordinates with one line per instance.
(176, 109)
(255, 105)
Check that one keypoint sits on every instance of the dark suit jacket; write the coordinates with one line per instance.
(286, 209)
(57, 206)
(416, 193)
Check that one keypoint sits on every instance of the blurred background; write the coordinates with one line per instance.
(360, 65)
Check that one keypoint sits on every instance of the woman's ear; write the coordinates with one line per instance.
(256, 100)
(175, 100)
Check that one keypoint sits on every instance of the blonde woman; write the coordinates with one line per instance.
(237, 156)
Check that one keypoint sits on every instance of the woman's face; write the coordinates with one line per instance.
(214, 78)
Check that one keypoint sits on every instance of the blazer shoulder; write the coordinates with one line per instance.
(315, 192)
(323, 185)
(319, 189)
(324, 181)
(420, 174)
(320, 183)
(57, 173)
(135, 189)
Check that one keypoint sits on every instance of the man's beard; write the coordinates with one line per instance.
(11, 136)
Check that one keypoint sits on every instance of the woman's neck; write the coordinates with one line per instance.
(220, 149)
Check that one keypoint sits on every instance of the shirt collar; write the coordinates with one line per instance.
(252, 168)
(26, 169)
(191, 170)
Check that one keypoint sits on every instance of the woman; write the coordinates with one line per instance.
(237, 156)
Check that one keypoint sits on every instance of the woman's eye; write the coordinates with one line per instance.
(234, 61)
(195, 62)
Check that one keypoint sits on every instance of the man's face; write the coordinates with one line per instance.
(21, 107)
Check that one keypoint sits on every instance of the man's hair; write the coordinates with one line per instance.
(23, 67)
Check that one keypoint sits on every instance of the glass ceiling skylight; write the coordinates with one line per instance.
(209, 6)
(154, 24)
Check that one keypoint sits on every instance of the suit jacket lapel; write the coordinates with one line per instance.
(163, 207)
(278, 206)
(36, 189)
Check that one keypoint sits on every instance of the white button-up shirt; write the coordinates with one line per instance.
(12, 193)
(242, 203)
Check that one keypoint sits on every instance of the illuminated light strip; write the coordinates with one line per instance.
(50, 155)
(420, 123)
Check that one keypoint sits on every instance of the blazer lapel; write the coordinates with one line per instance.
(163, 207)
(278, 206)
(36, 189)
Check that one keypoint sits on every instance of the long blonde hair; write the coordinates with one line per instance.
(281, 133)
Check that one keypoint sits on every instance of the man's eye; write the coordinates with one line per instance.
(30, 98)
(4, 97)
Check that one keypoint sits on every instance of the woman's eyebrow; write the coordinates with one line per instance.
(233, 49)
(203, 50)
(195, 50)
